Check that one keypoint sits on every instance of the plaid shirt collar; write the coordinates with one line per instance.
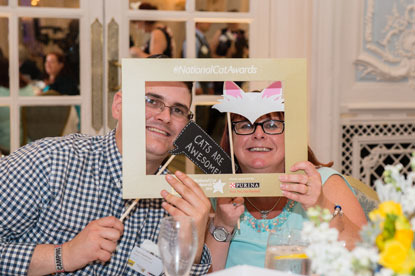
(114, 159)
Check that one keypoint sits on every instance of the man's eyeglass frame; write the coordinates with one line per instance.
(163, 106)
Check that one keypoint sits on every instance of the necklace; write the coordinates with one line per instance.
(264, 213)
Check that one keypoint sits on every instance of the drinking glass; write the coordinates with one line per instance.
(177, 244)
(286, 252)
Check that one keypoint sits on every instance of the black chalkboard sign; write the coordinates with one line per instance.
(199, 147)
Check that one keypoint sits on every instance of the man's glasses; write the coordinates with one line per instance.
(177, 111)
(272, 127)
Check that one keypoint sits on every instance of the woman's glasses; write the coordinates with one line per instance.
(272, 127)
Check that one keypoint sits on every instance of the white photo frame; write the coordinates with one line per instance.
(135, 72)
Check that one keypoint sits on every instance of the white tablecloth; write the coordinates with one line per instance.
(245, 270)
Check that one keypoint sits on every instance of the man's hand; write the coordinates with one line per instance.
(193, 203)
(95, 242)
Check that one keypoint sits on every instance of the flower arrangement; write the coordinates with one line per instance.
(387, 245)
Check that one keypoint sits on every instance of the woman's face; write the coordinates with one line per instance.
(260, 152)
(52, 65)
(144, 26)
(140, 25)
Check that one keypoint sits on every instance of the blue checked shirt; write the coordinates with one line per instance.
(52, 188)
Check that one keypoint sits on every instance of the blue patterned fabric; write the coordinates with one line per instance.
(52, 188)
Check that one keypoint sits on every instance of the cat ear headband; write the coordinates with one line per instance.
(251, 105)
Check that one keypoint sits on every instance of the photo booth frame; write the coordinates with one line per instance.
(135, 72)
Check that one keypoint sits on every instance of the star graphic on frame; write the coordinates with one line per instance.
(218, 186)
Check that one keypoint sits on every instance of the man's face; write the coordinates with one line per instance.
(203, 26)
(163, 126)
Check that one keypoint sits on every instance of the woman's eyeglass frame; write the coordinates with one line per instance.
(235, 123)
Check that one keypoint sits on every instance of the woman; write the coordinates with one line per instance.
(24, 90)
(161, 39)
(259, 148)
(58, 80)
(230, 42)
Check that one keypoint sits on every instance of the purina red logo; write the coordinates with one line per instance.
(249, 185)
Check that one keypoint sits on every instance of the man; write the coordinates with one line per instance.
(61, 197)
(202, 51)
(202, 44)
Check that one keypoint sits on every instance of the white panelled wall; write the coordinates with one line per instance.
(361, 87)
(362, 112)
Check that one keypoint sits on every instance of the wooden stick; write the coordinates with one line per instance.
(137, 200)
(166, 164)
(129, 209)
(228, 115)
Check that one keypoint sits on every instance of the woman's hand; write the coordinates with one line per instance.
(37, 91)
(304, 188)
(228, 211)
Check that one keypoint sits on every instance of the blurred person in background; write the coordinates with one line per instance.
(202, 51)
(161, 38)
(230, 42)
(27, 66)
(59, 80)
(25, 90)
(70, 48)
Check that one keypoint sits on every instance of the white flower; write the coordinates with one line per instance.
(330, 257)
(369, 233)
(364, 259)
(366, 255)
(385, 272)
(313, 212)
(387, 192)
(408, 201)
(398, 188)
(327, 216)
(321, 233)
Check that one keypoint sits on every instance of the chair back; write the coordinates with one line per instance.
(366, 195)
(43, 121)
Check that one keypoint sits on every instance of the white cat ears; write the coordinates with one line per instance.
(251, 105)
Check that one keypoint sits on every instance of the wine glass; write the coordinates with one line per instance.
(286, 252)
(177, 244)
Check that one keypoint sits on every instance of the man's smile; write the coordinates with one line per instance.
(158, 130)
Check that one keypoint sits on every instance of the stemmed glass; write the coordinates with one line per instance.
(177, 244)
(286, 252)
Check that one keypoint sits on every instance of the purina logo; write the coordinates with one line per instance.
(249, 185)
